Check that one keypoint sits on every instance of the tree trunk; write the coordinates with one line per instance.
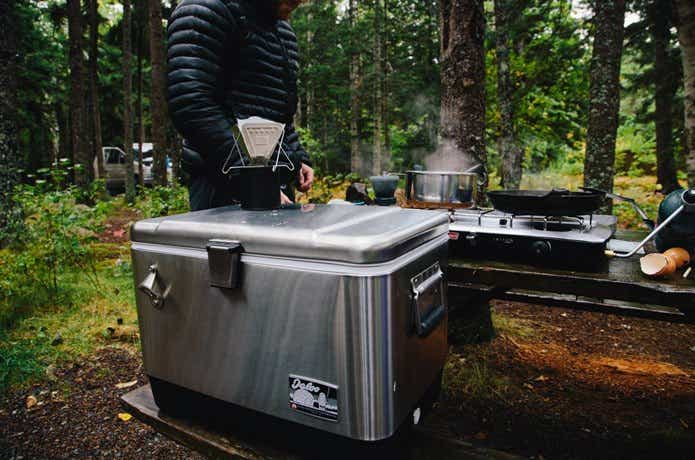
(127, 102)
(379, 79)
(509, 150)
(355, 157)
(158, 102)
(63, 131)
(309, 83)
(78, 118)
(665, 91)
(463, 81)
(141, 27)
(604, 95)
(95, 112)
(686, 37)
(9, 154)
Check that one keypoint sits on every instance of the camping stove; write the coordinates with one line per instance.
(575, 241)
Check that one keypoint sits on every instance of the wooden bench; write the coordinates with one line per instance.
(218, 443)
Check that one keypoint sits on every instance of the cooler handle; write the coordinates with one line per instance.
(428, 288)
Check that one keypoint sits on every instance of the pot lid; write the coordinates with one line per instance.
(344, 233)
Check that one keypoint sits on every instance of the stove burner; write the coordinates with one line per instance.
(531, 239)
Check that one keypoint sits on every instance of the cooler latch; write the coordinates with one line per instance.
(224, 261)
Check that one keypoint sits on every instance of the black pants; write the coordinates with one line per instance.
(204, 194)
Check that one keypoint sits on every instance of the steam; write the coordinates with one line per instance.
(448, 157)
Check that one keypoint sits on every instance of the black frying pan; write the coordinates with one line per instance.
(555, 202)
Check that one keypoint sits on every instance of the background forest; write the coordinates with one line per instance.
(369, 84)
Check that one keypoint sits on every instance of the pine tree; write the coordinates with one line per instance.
(604, 94)
(158, 101)
(507, 142)
(127, 101)
(463, 79)
(9, 154)
(78, 114)
(686, 37)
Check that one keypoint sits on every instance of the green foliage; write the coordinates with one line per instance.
(163, 201)
(52, 246)
(635, 150)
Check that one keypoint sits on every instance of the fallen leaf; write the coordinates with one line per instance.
(480, 436)
(121, 386)
(685, 424)
(124, 416)
(31, 401)
(118, 233)
(541, 378)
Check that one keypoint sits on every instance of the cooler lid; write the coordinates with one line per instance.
(345, 233)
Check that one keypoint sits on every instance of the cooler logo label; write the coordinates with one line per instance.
(314, 397)
(453, 236)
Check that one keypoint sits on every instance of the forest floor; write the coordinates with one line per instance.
(553, 383)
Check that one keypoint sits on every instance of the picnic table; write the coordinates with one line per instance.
(618, 287)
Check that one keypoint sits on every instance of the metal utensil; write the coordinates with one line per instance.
(687, 206)
(443, 188)
(643, 215)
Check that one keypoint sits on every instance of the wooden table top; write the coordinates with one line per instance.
(618, 279)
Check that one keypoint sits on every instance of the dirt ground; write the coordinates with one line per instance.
(554, 383)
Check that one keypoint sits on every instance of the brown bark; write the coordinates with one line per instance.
(78, 115)
(9, 153)
(665, 91)
(94, 106)
(355, 81)
(686, 37)
(141, 27)
(604, 94)
(509, 149)
(463, 80)
(127, 102)
(158, 101)
(309, 83)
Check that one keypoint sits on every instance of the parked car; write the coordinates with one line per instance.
(114, 167)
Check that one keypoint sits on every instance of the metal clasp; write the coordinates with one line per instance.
(151, 287)
(224, 261)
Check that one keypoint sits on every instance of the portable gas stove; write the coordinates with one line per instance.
(576, 241)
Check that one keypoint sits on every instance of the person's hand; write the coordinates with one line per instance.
(306, 178)
(284, 199)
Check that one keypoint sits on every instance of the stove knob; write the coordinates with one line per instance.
(541, 248)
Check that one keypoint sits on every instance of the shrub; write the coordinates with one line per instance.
(163, 201)
(50, 244)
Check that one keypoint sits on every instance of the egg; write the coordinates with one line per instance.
(679, 255)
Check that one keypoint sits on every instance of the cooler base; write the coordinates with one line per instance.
(180, 402)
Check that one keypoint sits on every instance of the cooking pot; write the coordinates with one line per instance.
(443, 188)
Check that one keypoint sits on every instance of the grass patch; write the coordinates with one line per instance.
(470, 377)
(30, 346)
(515, 327)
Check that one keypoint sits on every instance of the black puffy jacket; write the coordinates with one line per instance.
(229, 59)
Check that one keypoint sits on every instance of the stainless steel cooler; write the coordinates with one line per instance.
(333, 317)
